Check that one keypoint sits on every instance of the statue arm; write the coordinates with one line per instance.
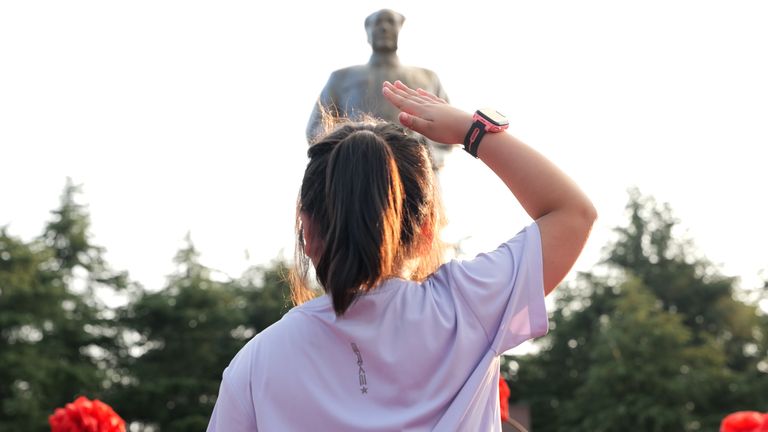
(439, 90)
(432, 84)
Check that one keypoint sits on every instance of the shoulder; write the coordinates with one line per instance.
(286, 328)
(503, 289)
(343, 73)
(267, 342)
(291, 325)
(424, 78)
(429, 73)
(495, 264)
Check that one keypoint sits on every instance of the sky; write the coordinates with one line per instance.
(189, 116)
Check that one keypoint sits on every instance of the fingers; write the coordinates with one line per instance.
(401, 85)
(401, 99)
(406, 92)
(419, 93)
(414, 123)
(414, 106)
(395, 98)
(412, 93)
(431, 97)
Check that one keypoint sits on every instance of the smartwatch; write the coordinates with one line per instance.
(485, 120)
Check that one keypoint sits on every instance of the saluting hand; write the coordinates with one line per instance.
(427, 114)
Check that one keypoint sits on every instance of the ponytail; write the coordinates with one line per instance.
(368, 195)
(364, 197)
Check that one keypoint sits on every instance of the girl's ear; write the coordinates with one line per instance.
(427, 232)
(311, 243)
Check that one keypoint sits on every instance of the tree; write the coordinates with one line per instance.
(158, 360)
(177, 341)
(55, 335)
(693, 287)
(652, 340)
(643, 374)
(267, 294)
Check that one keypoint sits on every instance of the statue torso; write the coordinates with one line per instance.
(357, 89)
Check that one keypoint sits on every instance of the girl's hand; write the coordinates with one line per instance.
(427, 114)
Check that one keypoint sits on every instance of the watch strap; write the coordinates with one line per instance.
(473, 137)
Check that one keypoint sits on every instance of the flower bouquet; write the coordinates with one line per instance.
(84, 415)
(745, 421)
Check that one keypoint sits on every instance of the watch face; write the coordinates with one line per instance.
(493, 116)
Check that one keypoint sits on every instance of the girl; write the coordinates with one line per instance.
(398, 342)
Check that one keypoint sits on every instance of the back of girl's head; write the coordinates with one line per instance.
(370, 194)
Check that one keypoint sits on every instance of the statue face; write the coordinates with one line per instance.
(383, 29)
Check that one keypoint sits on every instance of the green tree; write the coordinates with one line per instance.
(177, 341)
(267, 294)
(55, 335)
(690, 285)
(643, 373)
(158, 360)
(652, 340)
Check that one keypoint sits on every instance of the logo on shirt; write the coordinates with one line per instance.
(361, 370)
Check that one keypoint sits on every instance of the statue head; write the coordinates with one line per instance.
(383, 28)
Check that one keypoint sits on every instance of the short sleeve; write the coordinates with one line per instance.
(504, 289)
(234, 411)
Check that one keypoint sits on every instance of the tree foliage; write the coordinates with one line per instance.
(55, 337)
(652, 340)
(178, 340)
(158, 360)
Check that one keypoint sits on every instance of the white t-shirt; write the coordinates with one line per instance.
(407, 356)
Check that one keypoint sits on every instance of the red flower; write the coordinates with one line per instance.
(84, 415)
(504, 399)
(745, 421)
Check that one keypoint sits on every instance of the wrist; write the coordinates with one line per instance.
(462, 126)
(484, 121)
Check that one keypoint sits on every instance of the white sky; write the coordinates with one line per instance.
(184, 116)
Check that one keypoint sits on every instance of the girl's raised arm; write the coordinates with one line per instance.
(561, 210)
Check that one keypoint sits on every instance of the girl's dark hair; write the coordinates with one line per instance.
(369, 192)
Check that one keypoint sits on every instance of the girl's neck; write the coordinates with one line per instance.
(407, 269)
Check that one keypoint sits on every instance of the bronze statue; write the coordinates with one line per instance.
(356, 90)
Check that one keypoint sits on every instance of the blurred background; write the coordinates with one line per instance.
(151, 154)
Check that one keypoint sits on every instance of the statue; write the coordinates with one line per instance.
(356, 90)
